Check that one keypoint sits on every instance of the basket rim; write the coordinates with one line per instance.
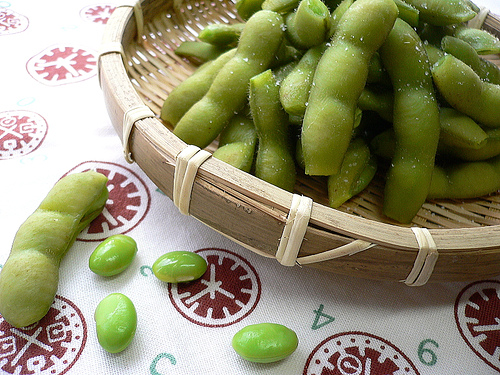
(122, 25)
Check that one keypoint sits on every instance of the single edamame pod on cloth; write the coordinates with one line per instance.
(415, 123)
(339, 79)
(30, 276)
(443, 12)
(259, 41)
(464, 90)
(237, 143)
(192, 89)
(358, 169)
(274, 161)
(466, 179)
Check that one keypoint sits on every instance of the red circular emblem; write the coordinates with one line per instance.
(60, 65)
(128, 203)
(358, 353)
(224, 295)
(477, 314)
(21, 132)
(99, 13)
(49, 347)
(12, 22)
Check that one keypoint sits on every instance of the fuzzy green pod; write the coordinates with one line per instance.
(443, 12)
(116, 322)
(30, 276)
(265, 342)
(179, 267)
(309, 24)
(464, 90)
(338, 82)
(113, 255)
(259, 42)
(274, 161)
(222, 34)
(415, 122)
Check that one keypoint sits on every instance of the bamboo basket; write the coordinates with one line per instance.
(449, 240)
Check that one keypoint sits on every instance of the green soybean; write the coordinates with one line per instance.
(489, 149)
(481, 40)
(192, 89)
(116, 322)
(113, 256)
(408, 13)
(179, 267)
(256, 49)
(415, 123)
(247, 8)
(265, 342)
(459, 130)
(30, 276)
(464, 90)
(200, 52)
(274, 161)
(338, 81)
(237, 143)
(280, 6)
(379, 100)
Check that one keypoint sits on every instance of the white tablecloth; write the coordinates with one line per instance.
(53, 121)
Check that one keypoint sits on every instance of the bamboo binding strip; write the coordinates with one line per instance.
(448, 240)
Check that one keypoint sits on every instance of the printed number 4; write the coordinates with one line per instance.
(321, 318)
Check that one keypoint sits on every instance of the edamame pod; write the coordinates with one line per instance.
(222, 34)
(415, 123)
(258, 44)
(489, 149)
(459, 130)
(481, 40)
(294, 90)
(464, 90)
(358, 169)
(199, 52)
(466, 180)
(237, 143)
(443, 12)
(247, 8)
(30, 276)
(309, 25)
(485, 69)
(280, 6)
(339, 79)
(274, 162)
(379, 100)
(192, 89)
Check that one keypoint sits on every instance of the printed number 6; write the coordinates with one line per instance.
(152, 368)
(424, 353)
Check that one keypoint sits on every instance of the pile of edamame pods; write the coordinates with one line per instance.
(338, 87)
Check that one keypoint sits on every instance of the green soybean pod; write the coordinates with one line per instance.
(309, 25)
(489, 149)
(256, 49)
(358, 169)
(415, 122)
(338, 82)
(237, 143)
(485, 69)
(222, 34)
(379, 100)
(459, 130)
(30, 276)
(408, 13)
(247, 8)
(466, 179)
(116, 322)
(295, 87)
(192, 89)
(265, 342)
(280, 6)
(274, 161)
(113, 255)
(464, 90)
(179, 266)
(481, 40)
(443, 12)
(199, 52)
(337, 15)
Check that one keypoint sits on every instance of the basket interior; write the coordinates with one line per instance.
(154, 70)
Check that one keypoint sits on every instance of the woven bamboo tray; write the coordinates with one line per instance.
(448, 240)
